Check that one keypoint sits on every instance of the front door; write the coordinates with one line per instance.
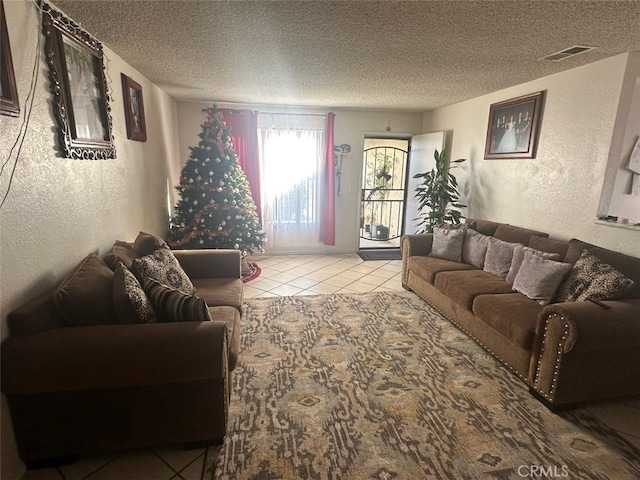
(383, 192)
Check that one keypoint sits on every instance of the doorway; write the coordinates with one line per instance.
(383, 193)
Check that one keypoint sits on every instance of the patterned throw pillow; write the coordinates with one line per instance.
(592, 278)
(131, 303)
(538, 277)
(171, 305)
(447, 243)
(162, 265)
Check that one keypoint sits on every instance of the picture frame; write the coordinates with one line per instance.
(133, 109)
(78, 83)
(513, 127)
(9, 104)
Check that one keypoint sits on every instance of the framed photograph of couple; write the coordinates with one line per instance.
(513, 127)
(79, 87)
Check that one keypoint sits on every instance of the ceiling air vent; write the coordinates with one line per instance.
(566, 53)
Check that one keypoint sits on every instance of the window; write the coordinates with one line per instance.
(291, 155)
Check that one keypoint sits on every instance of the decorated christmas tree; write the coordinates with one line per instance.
(215, 209)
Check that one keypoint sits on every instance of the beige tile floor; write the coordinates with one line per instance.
(285, 275)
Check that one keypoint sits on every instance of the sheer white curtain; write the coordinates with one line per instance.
(291, 154)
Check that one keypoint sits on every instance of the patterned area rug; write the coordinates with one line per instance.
(380, 386)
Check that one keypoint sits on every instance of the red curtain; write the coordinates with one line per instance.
(327, 199)
(244, 135)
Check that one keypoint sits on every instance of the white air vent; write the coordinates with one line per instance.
(566, 53)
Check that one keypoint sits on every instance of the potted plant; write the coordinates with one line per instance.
(438, 195)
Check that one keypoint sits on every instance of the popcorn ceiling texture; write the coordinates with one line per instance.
(412, 56)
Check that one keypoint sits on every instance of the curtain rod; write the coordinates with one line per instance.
(210, 109)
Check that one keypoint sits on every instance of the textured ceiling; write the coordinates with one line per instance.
(391, 55)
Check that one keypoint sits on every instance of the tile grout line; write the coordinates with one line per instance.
(175, 472)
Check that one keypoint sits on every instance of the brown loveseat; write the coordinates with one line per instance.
(567, 352)
(90, 383)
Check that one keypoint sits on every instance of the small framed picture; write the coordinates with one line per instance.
(9, 104)
(513, 127)
(133, 109)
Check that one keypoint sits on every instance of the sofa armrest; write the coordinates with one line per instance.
(411, 245)
(417, 244)
(210, 263)
(112, 356)
(583, 351)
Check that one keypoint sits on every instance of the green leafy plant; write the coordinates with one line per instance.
(438, 195)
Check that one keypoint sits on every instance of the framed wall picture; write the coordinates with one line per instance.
(78, 84)
(513, 127)
(133, 109)
(9, 104)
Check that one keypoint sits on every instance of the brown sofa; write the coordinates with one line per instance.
(106, 386)
(568, 352)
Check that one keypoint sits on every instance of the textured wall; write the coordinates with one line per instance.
(59, 210)
(350, 127)
(558, 191)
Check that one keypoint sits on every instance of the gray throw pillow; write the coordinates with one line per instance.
(518, 257)
(447, 243)
(162, 265)
(592, 278)
(474, 248)
(172, 305)
(498, 258)
(538, 278)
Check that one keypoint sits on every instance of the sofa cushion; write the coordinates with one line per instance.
(463, 286)
(474, 248)
(172, 305)
(220, 291)
(498, 258)
(161, 265)
(427, 267)
(120, 252)
(129, 299)
(447, 243)
(518, 257)
(145, 243)
(511, 314)
(538, 278)
(593, 278)
(510, 233)
(627, 265)
(85, 295)
(549, 245)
